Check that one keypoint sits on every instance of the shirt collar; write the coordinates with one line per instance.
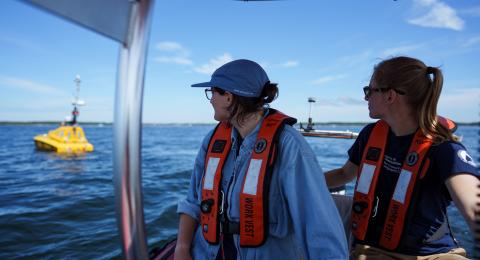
(250, 138)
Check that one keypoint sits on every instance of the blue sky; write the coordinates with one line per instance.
(321, 49)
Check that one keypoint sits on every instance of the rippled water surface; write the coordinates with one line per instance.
(54, 207)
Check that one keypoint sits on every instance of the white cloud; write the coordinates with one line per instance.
(473, 11)
(356, 59)
(174, 59)
(180, 55)
(326, 79)
(341, 101)
(26, 84)
(460, 104)
(20, 43)
(344, 100)
(472, 41)
(169, 46)
(290, 64)
(213, 64)
(437, 15)
(339, 109)
(402, 49)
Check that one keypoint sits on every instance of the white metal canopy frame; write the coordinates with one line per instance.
(128, 22)
(127, 134)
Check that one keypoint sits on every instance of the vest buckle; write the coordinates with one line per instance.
(360, 206)
(206, 205)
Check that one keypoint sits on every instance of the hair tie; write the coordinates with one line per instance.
(430, 70)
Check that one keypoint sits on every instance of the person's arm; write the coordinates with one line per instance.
(463, 188)
(189, 208)
(316, 223)
(338, 177)
(186, 230)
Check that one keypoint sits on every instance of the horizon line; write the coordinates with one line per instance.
(192, 123)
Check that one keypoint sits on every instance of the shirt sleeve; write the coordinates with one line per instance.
(355, 152)
(316, 222)
(191, 204)
(452, 158)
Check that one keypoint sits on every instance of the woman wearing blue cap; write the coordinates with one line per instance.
(257, 191)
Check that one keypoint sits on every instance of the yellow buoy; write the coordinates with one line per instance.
(65, 139)
(68, 138)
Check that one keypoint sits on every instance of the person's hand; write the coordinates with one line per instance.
(182, 252)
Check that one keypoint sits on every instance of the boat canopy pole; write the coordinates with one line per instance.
(128, 22)
(127, 133)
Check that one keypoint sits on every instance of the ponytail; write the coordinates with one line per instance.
(422, 86)
(427, 116)
(242, 107)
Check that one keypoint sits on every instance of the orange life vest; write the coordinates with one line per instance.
(254, 192)
(413, 169)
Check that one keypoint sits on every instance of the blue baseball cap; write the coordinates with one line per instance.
(241, 77)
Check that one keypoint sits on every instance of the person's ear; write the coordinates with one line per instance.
(391, 96)
(229, 97)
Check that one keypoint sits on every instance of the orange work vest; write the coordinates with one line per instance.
(254, 192)
(413, 169)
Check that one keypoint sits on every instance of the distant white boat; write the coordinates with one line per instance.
(312, 132)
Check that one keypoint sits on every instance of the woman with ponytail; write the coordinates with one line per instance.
(408, 168)
(256, 191)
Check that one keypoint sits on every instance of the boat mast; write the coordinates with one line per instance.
(76, 102)
(77, 92)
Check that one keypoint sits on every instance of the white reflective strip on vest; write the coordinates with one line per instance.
(402, 186)
(251, 180)
(212, 165)
(366, 177)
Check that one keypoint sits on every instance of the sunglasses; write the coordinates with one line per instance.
(367, 90)
(209, 92)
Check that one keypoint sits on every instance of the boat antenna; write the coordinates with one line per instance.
(77, 92)
(76, 102)
(310, 124)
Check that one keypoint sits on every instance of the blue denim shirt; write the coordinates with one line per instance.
(303, 219)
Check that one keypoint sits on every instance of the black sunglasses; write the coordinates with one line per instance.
(367, 90)
(209, 92)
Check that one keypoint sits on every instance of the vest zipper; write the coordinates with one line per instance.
(232, 179)
(228, 198)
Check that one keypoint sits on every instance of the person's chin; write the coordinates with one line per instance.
(373, 116)
(219, 118)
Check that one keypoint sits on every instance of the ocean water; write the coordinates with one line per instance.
(57, 207)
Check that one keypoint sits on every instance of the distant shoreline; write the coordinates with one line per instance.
(110, 123)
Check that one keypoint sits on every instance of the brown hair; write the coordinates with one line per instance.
(422, 86)
(243, 106)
